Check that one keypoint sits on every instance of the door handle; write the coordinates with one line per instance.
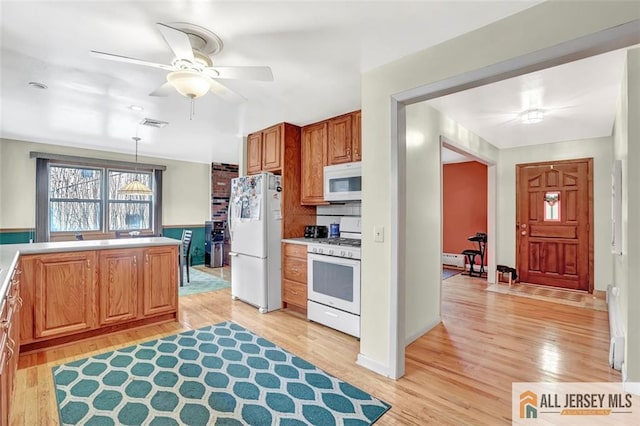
(523, 233)
(523, 226)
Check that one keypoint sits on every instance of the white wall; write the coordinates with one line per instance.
(632, 192)
(186, 186)
(539, 27)
(601, 150)
(423, 220)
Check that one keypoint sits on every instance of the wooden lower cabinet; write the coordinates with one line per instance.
(118, 286)
(81, 294)
(294, 276)
(64, 293)
(9, 344)
(160, 280)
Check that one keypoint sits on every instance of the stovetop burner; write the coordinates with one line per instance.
(337, 241)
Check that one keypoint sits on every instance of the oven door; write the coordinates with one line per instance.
(334, 281)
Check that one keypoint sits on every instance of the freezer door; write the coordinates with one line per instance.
(247, 219)
(249, 279)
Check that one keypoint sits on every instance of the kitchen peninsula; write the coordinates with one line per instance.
(76, 289)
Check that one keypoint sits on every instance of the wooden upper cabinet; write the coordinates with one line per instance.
(339, 145)
(356, 135)
(254, 153)
(160, 280)
(314, 158)
(64, 293)
(118, 285)
(271, 149)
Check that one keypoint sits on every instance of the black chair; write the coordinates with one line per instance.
(471, 254)
(186, 253)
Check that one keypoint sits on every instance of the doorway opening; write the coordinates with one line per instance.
(593, 44)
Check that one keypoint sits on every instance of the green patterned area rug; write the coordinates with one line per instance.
(201, 282)
(217, 375)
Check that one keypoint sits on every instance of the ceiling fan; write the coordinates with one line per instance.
(192, 73)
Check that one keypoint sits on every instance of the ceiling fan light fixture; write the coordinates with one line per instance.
(532, 116)
(191, 84)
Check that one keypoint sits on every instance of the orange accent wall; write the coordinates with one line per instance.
(464, 205)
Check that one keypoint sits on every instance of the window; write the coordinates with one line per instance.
(81, 195)
(75, 199)
(76, 203)
(128, 212)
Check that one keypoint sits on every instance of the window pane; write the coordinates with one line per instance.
(74, 183)
(129, 216)
(118, 179)
(74, 216)
(552, 206)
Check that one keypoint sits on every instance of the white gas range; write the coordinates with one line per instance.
(333, 274)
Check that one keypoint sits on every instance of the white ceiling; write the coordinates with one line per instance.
(579, 101)
(317, 51)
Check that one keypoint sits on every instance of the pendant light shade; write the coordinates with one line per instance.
(135, 187)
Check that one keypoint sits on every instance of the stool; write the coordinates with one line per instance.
(503, 269)
(471, 258)
(481, 239)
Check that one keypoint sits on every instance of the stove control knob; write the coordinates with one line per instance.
(350, 254)
(331, 251)
(313, 249)
(342, 253)
(320, 250)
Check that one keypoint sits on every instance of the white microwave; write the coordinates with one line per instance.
(343, 182)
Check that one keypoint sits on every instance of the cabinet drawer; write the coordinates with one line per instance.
(294, 293)
(296, 250)
(295, 269)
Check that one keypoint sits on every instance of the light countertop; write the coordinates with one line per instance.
(304, 241)
(9, 253)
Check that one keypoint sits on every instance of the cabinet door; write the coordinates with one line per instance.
(64, 288)
(254, 153)
(118, 286)
(339, 148)
(271, 149)
(160, 280)
(314, 158)
(357, 136)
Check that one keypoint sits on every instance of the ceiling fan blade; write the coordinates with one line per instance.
(126, 59)
(241, 73)
(225, 93)
(164, 90)
(177, 41)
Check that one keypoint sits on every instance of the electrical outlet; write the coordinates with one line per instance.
(378, 234)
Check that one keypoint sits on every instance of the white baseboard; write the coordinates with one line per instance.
(373, 365)
(632, 387)
(415, 336)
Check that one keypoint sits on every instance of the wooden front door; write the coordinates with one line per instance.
(554, 220)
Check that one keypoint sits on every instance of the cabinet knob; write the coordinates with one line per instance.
(88, 264)
(135, 260)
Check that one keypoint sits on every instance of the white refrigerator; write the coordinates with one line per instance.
(255, 223)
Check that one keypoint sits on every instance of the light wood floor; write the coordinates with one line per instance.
(460, 373)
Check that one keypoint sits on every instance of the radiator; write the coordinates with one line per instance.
(616, 329)
(451, 259)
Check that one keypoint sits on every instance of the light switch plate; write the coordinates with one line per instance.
(378, 234)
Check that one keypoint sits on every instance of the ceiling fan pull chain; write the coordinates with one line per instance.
(192, 109)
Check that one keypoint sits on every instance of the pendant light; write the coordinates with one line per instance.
(135, 187)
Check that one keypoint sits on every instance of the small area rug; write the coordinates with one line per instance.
(448, 273)
(217, 375)
(565, 297)
(200, 282)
